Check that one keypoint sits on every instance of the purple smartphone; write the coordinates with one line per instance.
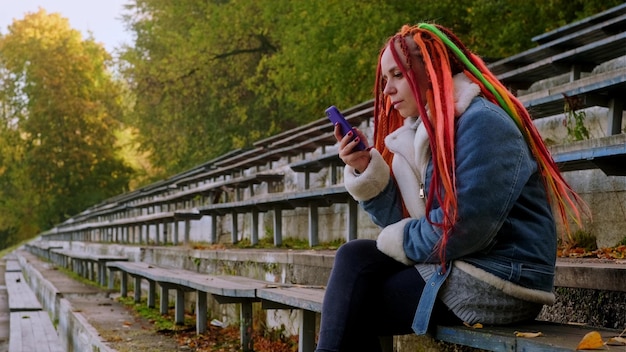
(337, 118)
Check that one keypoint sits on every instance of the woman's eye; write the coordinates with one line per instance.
(397, 74)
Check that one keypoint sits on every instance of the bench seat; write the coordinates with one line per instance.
(582, 36)
(21, 296)
(85, 264)
(312, 199)
(590, 55)
(555, 337)
(594, 90)
(581, 25)
(12, 266)
(354, 115)
(607, 154)
(33, 331)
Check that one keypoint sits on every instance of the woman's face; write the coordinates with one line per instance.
(397, 85)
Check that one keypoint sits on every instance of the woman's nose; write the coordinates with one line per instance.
(389, 89)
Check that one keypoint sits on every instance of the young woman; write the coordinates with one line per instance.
(460, 182)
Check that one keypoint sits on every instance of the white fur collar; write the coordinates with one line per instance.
(411, 147)
(464, 91)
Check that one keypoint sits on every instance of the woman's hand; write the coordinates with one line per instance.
(359, 160)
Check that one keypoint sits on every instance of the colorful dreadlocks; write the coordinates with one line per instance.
(443, 55)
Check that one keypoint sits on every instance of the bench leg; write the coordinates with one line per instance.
(151, 293)
(313, 225)
(102, 273)
(175, 239)
(180, 307)
(278, 226)
(201, 312)
(254, 236)
(616, 108)
(111, 284)
(137, 289)
(124, 284)
(353, 215)
(213, 229)
(246, 327)
(306, 342)
(187, 231)
(234, 228)
(164, 300)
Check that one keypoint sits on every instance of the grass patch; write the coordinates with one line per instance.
(74, 276)
(288, 243)
(161, 322)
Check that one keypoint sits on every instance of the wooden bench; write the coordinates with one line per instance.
(41, 248)
(312, 165)
(33, 331)
(308, 300)
(578, 25)
(607, 154)
(580, 46)
(85, 264)
(312, 199)
(21, 296)
(555, 337)
(354, 115)
(12, 265)
(225, 289)
(31, 328)
(605, 89)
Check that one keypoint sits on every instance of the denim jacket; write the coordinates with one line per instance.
(505, 225)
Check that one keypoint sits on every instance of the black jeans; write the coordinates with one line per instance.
(370, 294)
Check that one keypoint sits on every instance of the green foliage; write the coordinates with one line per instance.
(160, 322)
(575, 120)
(584, 239)
(204, 78)
(214, 76)
(288, 243)
(60, 110)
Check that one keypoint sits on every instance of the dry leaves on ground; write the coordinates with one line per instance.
(618, 252)
(593, 341)
(528, 334)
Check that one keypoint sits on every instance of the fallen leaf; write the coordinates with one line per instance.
(475, 326)
(591, 341)
(616, 341)
(528, 334)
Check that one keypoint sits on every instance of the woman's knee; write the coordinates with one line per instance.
(356, 250)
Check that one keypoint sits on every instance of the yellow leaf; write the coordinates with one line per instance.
(528, 334)
(475, 326)
(616, 341)
(591, 341)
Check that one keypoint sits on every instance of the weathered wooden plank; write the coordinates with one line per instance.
(555, 337)
(21, 297)
(307, 298)
(13, 266)
(33, 331)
